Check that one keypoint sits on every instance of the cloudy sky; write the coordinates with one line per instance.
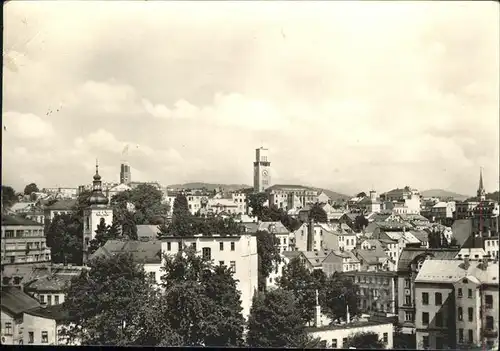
(345, 95)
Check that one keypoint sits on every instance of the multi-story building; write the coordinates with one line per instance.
(442, 212)
(465, 209)
(405, 201)
(457, 304)
(239, 252)
(96, 211)
(14, 303)
(125, 173)
(288, 197)
(64, 192)
(378, 291)
(279, 231)
(23, 241)
(340, 261)
(36, 215)
(370, 204)
(491, 247)
(261, 170)
(410, 263)
(60, 207)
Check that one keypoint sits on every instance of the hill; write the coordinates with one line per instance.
(209, 186)
(231, 187)
(444, 194)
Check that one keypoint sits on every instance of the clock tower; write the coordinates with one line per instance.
(261, 170)
(97, 209)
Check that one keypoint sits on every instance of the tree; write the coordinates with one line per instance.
(129, 227)
(106, 303)
(30, 188)
(297, 279)
(361, 194)
(182, 220)
(317, 214)
(65, 238)
(103, 234)
(337, 293)
(162, 231)
(403, 341)
(365, 340)
(256, 202)
(275, 321)
(9, 196)
(268, 256)
(201, 303)
(360, 223)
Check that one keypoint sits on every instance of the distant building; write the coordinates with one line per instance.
(43, 326)
(339, 262)
(261, 170)
(60, 207)
(125, 173)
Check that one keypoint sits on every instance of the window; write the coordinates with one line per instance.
(193, 245)
(169, 246)
(459, 292)
(8, 328)
(471, 314)
(49, 300)
(221, 246)
(232, 246)
(425, 298)
(471, 336)
(221, 263)
(386, 338)
(460, 314)
(152, 276)
(207, 253)
(45, 337)
(489, 323)
(344, 342)
(439, 319)
(425, 318)
(42, 298)
(179, 243)
(9, 234)
(56, 298)
(31, 337)
(408, 316)
(425, 341)
(460, 335)
(488, 299)
(439, 343)
(469, 293)
(233, 266)
(334, 343)
(438, 297)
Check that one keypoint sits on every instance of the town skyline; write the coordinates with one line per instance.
(354, 113)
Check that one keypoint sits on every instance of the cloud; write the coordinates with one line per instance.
(343, 94)
(27, 126)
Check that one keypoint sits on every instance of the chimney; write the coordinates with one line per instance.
(466, 262)
(310, 235)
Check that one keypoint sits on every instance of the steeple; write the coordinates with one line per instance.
(97, 197)
(481, 193)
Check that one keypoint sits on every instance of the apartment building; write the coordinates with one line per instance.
(340, 261)
(239, 252)
(23, 241)
(410, 263)
(464, 209)
(279, 231)
(289, 197)
(456, 303)
(378, 290)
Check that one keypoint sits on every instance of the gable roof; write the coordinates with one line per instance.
(421, 235)
(147, 231)
(315, 258)
(371, 256)
(278, 227)
(143, 251)
(291, 254)
(55, 282)
(408, 255)
(450, 271)
(58, 313)
(15, 301)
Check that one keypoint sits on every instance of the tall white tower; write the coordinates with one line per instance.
(98, 209)
(261, 170)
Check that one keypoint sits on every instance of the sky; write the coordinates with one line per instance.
(346, 96)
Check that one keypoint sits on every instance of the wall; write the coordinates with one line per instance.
(156, 269)
(13, 337)
(43, 297)
(37, 325)
(14, 248)
(339, 334)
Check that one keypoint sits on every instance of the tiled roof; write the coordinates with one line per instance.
(16, 301)
(62, 205)
(16, 220)
(143, 251)
(278, 227)
(421, 235)
(450, 271)
(371, 256)
(291, 254)
(54, 282)
(316, 257)
(251, 227)
(345, 254)
(55, 312)
(147, 231)
(408, 255)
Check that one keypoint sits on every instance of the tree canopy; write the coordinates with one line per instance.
(103, 234)
(336, 294)
(365, 340)
(317, 214)
(268, 256)
(361, 194)
(360, 223)
(107, 302)
(9, 196)
(30, 188)
(65, 238)
(275, 321)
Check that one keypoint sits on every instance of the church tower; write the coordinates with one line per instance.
(125, 176)
(97, 209)
(481, 193)
(261, 170)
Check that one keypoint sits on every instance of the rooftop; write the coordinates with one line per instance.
(53, 282)
(359, 324)
(54, 312)
(449, 271)
(147, 231)
(16, 301)
(18, 221)
(143, 251)
(408, 255)
(275, 227)
(65, 204)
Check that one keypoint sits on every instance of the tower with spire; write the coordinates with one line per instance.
(481, 193)
(96, 210)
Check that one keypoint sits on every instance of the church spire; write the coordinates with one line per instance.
(97, 197)
(481, 193)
